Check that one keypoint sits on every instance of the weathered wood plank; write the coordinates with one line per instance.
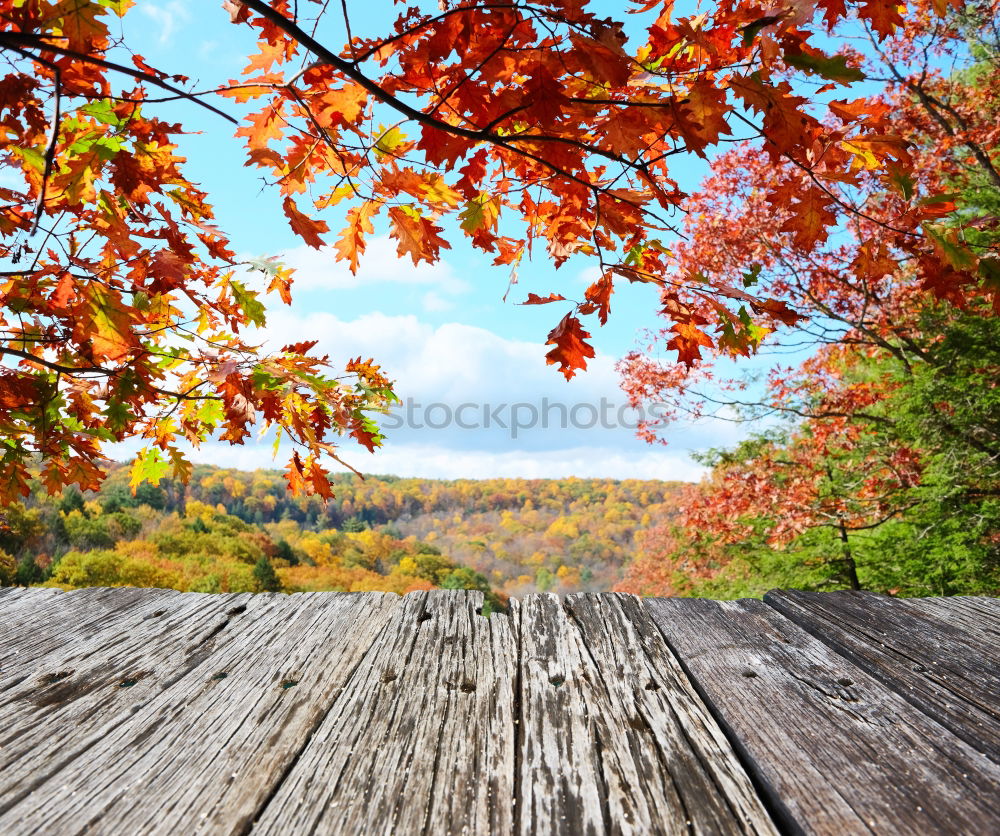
(833, 749)
(55, 706)
(928, 661)
(979, 618)
(204, 753)
(614, 738)
(420, 740)
(46, 620)
(15, 611)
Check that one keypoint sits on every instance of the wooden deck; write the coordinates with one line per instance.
(148, 711)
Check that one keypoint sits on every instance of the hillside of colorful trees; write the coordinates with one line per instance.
(234, 531)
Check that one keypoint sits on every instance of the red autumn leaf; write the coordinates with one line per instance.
(303, 226)
(535, 299)
(299, 348)
(64, 292)
(571, 350)
(599, 295)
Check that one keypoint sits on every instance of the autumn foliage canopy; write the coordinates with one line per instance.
(535, 129)
(875, 459)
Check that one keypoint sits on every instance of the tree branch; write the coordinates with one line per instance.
(18, 40)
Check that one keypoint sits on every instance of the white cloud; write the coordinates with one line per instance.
(167, 17)
(448, 362)
(442, 462)
(434, 302)
(454, 364)
(583, 462)
(380, 264)
(506, 389)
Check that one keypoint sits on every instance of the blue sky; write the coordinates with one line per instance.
(443, 332)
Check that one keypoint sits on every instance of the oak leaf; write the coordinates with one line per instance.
(304, 226)
(571, 350)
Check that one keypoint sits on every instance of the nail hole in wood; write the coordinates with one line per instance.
(289, 683)
(158, 613)
(220, 675)
(424, 616)
(242, 608)
(127, 683)
(749, 674)
(52, 678)
(557, 680)
(479, 610)
(652, 686)
(468, 687)
(845, 681)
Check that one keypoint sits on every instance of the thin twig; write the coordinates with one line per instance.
(50, 153)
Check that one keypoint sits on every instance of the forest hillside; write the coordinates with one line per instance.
(231, 531)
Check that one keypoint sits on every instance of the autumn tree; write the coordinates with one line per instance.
(886, 465)
(522, 126)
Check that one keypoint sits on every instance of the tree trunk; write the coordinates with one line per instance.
(849, 564)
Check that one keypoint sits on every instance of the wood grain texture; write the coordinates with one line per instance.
(153, 711)
(211, 743)
(613, 738)
(420, 739)
(44, 620)
(54, 707)
(834, 750)
(932, 663)
(978, 618)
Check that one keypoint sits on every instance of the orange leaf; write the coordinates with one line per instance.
(304, 226)
(64, 292)
(352, 237)
(599, 294)
(812, 219)
(535, 299)
(571, 347)
(416, 236)
(687, 341)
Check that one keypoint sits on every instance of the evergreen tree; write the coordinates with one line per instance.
(265, 576)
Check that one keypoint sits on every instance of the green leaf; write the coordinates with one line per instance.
(263, 379)
(108, 146)
(102, 111)
(751, 29)
(32, 157)
(118, 416)
(149, 466)
(989, 269)
(268, 265)
(902, 181)
(833, 67)
(211, 413)
(248, 303)
(959, 257)
(473, 217)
